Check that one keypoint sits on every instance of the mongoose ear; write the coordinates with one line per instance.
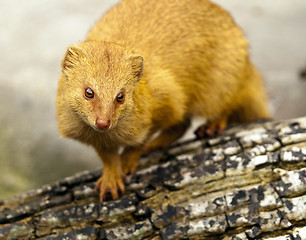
(71, 57)
(136, 62)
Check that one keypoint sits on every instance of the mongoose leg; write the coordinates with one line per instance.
(167, 137)
(112, 176)
(129, 159)
(252, 108)
(254, 100)
(212, 128)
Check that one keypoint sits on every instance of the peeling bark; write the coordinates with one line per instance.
(248, 183)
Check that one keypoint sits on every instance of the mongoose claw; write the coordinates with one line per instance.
(211, 129)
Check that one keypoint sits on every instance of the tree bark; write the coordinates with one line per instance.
(248, 183)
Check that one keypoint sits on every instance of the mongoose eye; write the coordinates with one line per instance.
(89, 94)
(120, 97)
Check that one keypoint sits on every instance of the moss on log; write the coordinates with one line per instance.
(248, 183)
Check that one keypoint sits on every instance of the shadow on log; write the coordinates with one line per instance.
(248, 183)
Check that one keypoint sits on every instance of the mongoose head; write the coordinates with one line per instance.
(100, 80)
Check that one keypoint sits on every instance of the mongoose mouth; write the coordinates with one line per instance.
(101, 130)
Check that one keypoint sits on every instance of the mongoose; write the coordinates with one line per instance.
(151, 66)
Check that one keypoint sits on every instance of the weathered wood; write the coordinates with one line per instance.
(249, 183)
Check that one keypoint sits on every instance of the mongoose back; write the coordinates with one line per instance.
(151, 66)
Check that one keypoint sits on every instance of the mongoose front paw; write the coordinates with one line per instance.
(109, 183)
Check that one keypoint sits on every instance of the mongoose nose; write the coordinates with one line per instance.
(102, 124)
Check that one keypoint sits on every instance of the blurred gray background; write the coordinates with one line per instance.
(34, 35)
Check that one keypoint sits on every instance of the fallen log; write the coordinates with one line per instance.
(248, 183)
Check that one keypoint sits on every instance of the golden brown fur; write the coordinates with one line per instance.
(172, 59)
